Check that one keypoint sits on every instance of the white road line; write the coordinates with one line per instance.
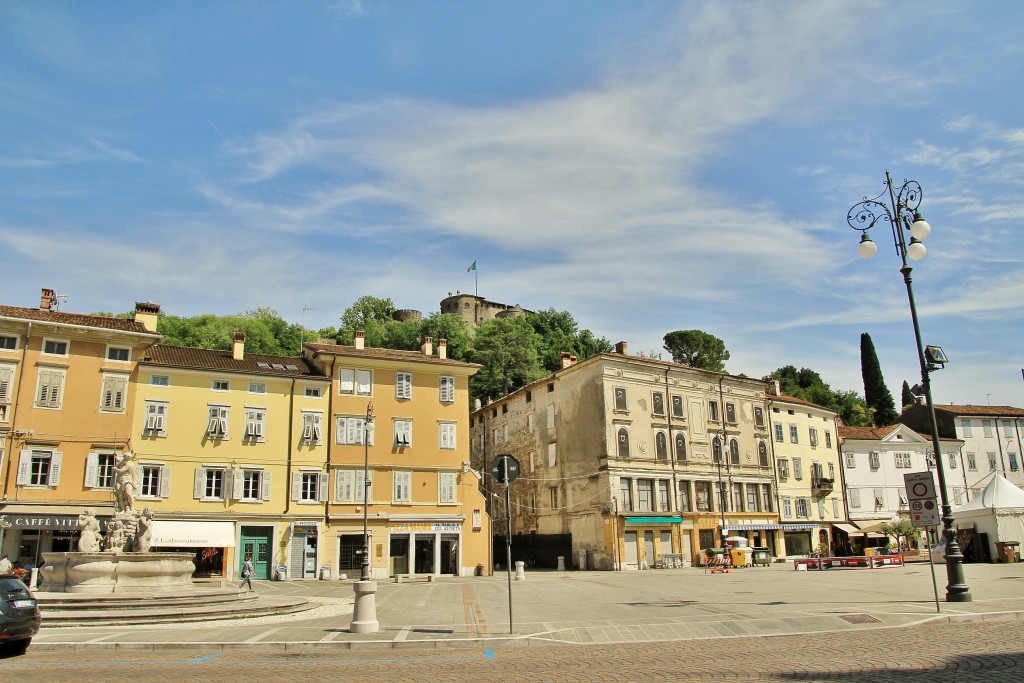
(402, 635)
(258, 638)
(426, 596)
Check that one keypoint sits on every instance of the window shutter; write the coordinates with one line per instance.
(237, 477)
(24, 467)
(365, 380)
(359, 491)
(92, 462)
(199, 484)
(265, 486)
(341, 480)
(296, 485)
(346, 380)
(165, 482)
(56, 457)
(322, 486)
(5, 384)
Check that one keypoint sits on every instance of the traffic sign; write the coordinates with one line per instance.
(924, 513)
(505, 469)
(920, 485)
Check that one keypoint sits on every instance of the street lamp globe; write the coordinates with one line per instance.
(920, 228)
(916, 249)
(867, 248)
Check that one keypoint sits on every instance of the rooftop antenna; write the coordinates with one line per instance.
(56, 301)
(302, 325)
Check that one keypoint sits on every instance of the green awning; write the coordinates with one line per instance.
(654, 520)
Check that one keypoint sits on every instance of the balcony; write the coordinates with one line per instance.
(822, 486)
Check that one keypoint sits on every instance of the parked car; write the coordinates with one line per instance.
(19, 615)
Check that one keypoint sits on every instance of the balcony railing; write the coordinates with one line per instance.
(822, 484)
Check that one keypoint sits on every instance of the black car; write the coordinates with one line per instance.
(19, 615)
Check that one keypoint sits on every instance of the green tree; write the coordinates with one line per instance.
(806, 384)
(506, 350)
(370, 315)
(877, 395)
(903, 530)
(907, 398)
(697, 349)
(558, 332)
(452, 327)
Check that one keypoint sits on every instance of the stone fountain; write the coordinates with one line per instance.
(119, 561)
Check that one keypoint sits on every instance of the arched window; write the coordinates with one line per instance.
(661, 445)
(680, 447)
(734, 451)
(716, 450)
(762, 454)
(623, 438)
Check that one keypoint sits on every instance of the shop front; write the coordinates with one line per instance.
(303, 549)
(211, 543)
(648, 541)
(26, 532)
(424, 547)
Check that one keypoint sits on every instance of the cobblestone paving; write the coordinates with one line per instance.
(986, 651)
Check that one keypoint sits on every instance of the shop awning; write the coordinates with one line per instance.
(668, 519)
(799, 527)
(847, 528)
(169, 533)
(767, 526)
(871, 526)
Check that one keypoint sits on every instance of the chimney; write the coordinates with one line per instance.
(238, 345)
(620, 348)
(47, 299)
(360, 340)
(442, 348)
(776, 390)
(147, 313)
(567, 360)
(428, 346)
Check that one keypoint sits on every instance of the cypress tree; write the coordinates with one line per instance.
(907, 399)
(877, 396)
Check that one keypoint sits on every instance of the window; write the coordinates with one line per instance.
(446, 389)
(626, 494)
(620, 399)
(312, 392)
(680, 446)
(902, 498)
(113, 393)
(703, 489)
(355, 382)
(752, 498)
(952, 461)
(874, 460)
(1007, 429)
(251, 485)
(803, 508)
(798, 468)
(758, 416)
(986, 426)
(403, 385)
(783, 468)
(716, 450)
(902, 460)
(552, 454)
(403, 433)
(446, 487)
(39, 468)
(677, 406)
(209, 484)
(992, 463)
(972, 462)
(55, 347)
(684, 497)
(762, 454)
(312, 431)
(530, 423)
(814, 437)
(965, 425)
(794, 434)
(156, 481)
(644, 495)
(551, 416)
(713, 411)
(156, 418)
(349, 430)
(1012, 457)
(99, 471)
(787, 506)
(257, 388)
(828, 439)
(217, 423)
(159, 380)
(8, 343)
(51, 385)
(119, 354)
(658, 401)
(879, 498)
(661, 446)
(255, 419)
(622, 438)
(553, 492)
(6, 377)
(734, 451)
(403, 487)
(446, 435)
(780, 436)
(309, 486)
(766, 498)
(220, 385)
(349, 486)
(730, 413)
(851, 460)
(663, 503)
(853, 495)
(958, 495)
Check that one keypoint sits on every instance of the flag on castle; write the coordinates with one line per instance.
(471, 268)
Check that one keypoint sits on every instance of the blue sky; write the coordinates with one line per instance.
(648, 166)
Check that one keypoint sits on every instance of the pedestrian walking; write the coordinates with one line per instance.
(247, 570)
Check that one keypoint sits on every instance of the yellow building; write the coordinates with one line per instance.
(66, 393)
(425, 513)
(231, 449)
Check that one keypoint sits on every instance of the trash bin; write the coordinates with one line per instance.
(741, 556)
(1006, 551)
(762, 556)
(282, 573)
(325, 572)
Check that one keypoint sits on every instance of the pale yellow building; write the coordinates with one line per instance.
(425, 513)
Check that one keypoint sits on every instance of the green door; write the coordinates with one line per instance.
(256, 545)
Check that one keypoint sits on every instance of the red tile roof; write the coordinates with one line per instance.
(793, 399)
(984, 411)
(866, 433)
(216, 359)
(62, 318)
(385, 354)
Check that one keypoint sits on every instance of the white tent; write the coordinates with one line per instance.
(997, 511)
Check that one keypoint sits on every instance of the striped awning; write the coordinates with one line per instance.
(654, 520)
(799, 527)
(767, 526)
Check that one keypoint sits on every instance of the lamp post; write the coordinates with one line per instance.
(364, 610)
(902, 216)
(718, 452)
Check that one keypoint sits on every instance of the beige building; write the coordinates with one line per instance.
(805, 443)
(628, 462)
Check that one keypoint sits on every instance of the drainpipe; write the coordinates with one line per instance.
(14, 409)
(726, 493)
(288, 479)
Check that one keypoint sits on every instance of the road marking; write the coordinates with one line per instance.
(258, 638)
(426, 596)
(403, 634)
(200, 660)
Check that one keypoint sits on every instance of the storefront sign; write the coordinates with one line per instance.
(450, 527)
(304, 524)
(64, 522)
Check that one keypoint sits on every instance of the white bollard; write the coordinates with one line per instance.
(520, 571)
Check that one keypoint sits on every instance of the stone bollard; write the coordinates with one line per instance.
(364, 609)
(520, 571)
(431, 578)
(561, 563)
(398, 578)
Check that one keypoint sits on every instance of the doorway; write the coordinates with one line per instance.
(450, 555)
(424, 554)
(632, 556)
(649, 549)
(399, 549)
(255, 542)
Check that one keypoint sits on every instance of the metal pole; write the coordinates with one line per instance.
(931, 563)
(508, 543)
(364, 574)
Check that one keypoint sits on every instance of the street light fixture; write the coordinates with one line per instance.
(364, 574)
(902, 216)
(364, 607)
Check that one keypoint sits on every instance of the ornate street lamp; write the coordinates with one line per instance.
(364, 609)
(902, 216)
(364, 574)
